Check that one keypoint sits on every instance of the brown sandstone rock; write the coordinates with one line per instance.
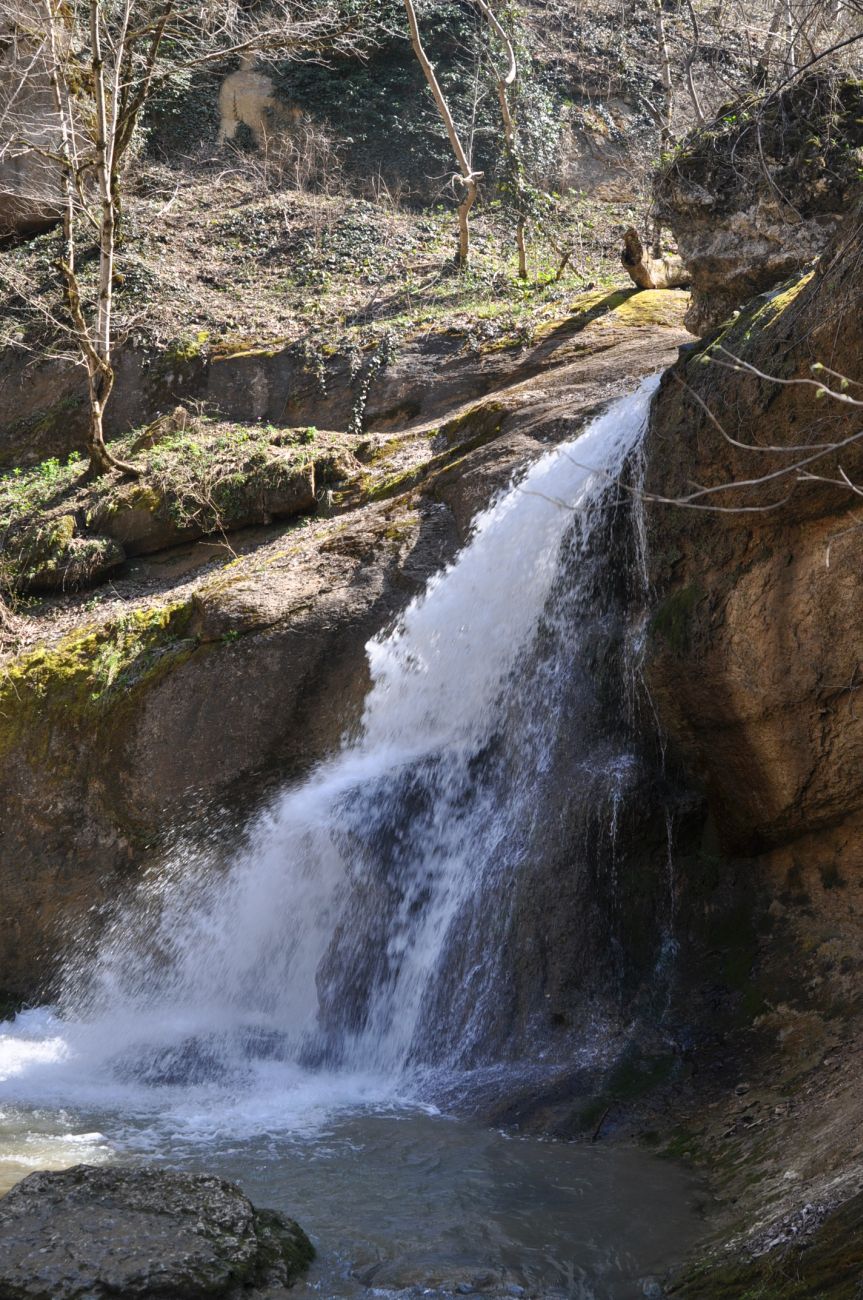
(754, 657)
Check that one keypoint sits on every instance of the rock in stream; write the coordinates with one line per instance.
(89, 1232)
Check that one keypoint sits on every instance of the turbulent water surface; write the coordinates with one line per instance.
(292, 1018)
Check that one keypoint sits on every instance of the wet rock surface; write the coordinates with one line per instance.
(149, 1233)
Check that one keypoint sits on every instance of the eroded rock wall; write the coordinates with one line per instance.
(753, 665)
(760, 192)
(754, 653)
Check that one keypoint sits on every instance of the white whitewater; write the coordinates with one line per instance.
(358, 934)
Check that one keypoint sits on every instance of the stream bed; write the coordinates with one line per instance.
(399, 1199)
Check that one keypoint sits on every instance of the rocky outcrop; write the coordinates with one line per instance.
(422, 381)
(207, 674)
(759, 194)
(754, 654)
(29, 184)
(753, 666)
(143, 1232)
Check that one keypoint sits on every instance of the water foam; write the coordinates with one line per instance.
(353, 939)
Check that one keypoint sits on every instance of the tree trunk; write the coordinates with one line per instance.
(100, 369)
(522, 249)
(666, 272)
(469, 178)
(667, 114)
(464, 208)
(690, 60)
(504, 84)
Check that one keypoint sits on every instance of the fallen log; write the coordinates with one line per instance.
(666, 272)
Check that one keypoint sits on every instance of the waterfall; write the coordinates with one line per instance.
(368, 927)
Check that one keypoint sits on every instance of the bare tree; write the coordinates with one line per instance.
(101, 59)
(467, 178)
(506, 82)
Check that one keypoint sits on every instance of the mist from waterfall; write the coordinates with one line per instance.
(363, 931)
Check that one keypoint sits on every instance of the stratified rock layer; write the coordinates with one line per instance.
(146, 1233)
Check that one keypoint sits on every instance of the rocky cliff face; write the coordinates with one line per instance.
(754, 644)
(753, 665)
(206, 673)
(29, 186)
(759, 194)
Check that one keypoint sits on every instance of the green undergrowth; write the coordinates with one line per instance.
(62, 530)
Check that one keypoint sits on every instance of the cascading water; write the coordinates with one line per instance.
(364, 939)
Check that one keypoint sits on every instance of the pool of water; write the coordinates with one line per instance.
(402, 1201)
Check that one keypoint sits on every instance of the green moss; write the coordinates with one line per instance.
(397, 484)
(673, 621)
(482, 421)
(88, 680)
(648, 307)
(785, 296)
(184, 350)
(232, 349)
(399, 529)
(584, 309)
(762, 314)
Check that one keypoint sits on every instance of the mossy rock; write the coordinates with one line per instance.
(336, 465)
(138, 516)
(482, 422)
(149, 516)
(54, 557)
(650, 307)
(87, 680)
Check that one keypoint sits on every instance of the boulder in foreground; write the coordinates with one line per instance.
(147, 1233)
